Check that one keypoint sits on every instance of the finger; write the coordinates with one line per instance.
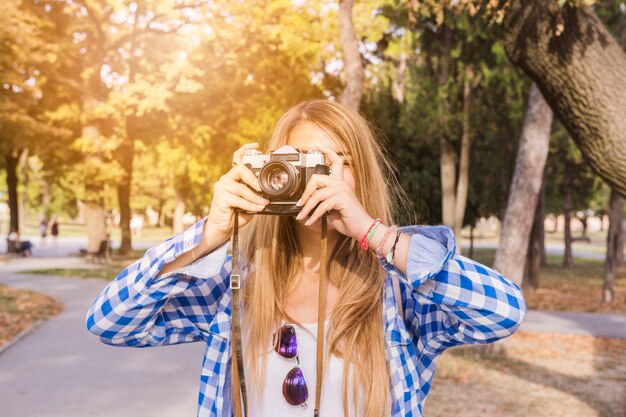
(316, 181)
(335, 160)
(243, 191)
(234, 201)
(319, 195)
(238, 154)
(248, 177)
(243, 173)
(324, 207)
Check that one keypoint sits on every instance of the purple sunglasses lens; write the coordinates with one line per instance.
(287, 345)
(294, 387)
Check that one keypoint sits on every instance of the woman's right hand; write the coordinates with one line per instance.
(233, 190)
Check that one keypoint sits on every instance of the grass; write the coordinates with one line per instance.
(20, 308)
(540, 375)
(569, 289)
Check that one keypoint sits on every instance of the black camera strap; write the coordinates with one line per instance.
(239, 379)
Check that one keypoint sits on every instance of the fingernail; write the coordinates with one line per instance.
(264, 201)
(299, 216)
(299, 203)
(260, 207)
(308, 222)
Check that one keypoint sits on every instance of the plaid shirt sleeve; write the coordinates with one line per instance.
(455, 300)
(140, 309)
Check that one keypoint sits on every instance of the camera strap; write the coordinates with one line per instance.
(239, 379)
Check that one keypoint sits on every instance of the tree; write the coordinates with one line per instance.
(24, 111)
(614, 245)
(353, 67)
(529, 166)
(581, 71)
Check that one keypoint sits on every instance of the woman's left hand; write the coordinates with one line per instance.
(336, 197)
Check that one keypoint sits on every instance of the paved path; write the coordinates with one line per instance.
(60, 370)
(592, 324)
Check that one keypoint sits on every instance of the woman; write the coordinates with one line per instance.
(382, 350)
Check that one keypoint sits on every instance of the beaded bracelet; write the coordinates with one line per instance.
(392, 251)
(390, 231)
(364, 242)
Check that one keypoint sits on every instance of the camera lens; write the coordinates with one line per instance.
(279, 179)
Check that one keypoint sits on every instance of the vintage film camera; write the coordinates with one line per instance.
(283, 175)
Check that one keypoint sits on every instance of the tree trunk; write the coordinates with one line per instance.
(11, 166)
(353, 65)
(568, 259)
(448, 180)
(447, 163)
(179, 212)
(126, 151)
(464, 159)
(22, 168)
(581, 71)
(95, 220)
(620, 262)
(95, 223)
(533, 259)
(46, 196)
(541, 238)
(125, 157)
(398, 82)
(471, 248)
(616, 214)
(525, 187)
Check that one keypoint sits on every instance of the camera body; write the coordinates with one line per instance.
(283, 175)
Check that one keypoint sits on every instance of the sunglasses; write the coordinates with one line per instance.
(294, 386)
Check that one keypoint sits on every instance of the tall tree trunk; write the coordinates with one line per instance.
(447, 168)
(568, 259)
(616, 213)
(581, 71)
(447, 162)
(533, 259)
(10, 158)
(525, 187)
(126, 151)
(398, 82)
(95, 219)
(464, 159)
(353, 65)
(125, 154)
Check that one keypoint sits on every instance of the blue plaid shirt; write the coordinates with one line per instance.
(447, 300)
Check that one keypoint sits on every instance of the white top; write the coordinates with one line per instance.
(274, 404)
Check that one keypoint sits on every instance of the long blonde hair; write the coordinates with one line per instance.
(269, 244)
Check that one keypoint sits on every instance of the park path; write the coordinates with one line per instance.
(60, 370)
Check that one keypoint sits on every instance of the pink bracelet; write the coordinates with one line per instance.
(390, 231)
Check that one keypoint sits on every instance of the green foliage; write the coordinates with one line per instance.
(184, 84)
